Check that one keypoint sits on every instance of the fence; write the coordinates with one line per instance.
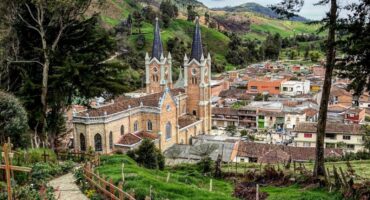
(106, 187)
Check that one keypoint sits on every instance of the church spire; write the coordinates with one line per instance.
(157, 49)
(196, 47)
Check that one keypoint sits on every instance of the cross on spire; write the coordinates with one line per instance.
(196, 47)
(157, 49)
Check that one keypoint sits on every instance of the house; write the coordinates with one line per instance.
(272, 154)
(354, 115)
(266, 85)
(242, 117)
(337, 135)
(293, 88)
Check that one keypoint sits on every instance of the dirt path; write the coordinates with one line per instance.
(66, 188)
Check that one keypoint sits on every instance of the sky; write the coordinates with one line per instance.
(309, 10)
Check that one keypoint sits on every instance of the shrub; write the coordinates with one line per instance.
(205, 165)
(42, 172)
(148, 155)
(36, 155)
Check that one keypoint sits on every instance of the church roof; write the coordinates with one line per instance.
(157, 49)
(122, 103)
(196, 47)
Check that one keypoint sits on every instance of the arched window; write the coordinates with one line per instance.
(111, 140)
(98, 142)
(136, 126)
(168, 130)
(122, 130)
(194, 80)
(82, 142)
(149, 125)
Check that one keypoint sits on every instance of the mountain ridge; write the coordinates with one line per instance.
(257, 8)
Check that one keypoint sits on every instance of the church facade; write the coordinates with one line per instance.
(169, 113)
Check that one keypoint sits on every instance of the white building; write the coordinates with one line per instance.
(346, 136)
(293, 88)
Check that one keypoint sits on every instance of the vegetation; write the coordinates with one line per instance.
(13, 121)
(185, 181)
(231, 130)
(295, 192)
(148, 155)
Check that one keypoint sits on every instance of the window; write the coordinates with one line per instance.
(346, 137)
(306, 144)
(149, 125)
(98, 142)
(168, 130)
(351, 146)
(168, 107)
(330, 136)
(194, 112)
(242, 160)
(308, 135)
(277, 88)
(253, 160)
(82, 142)
(285, 89)
(270, 118)
(122, 130)
(136, 126)
(254, 87)
(111, 140)
(194, 80)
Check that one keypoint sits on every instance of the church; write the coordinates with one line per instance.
(169, 113)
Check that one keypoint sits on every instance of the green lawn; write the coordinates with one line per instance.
(297, 193)
(186, 183)
(361, 167)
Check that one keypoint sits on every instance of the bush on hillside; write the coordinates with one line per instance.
(13, 121)
(148, 155)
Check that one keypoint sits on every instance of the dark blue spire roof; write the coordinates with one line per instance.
(157, 49)
(196, 47)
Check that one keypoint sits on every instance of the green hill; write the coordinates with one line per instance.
(114, 11)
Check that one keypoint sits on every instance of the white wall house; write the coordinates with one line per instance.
(293, 88)
(346, 136)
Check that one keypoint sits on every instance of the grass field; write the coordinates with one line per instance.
(186, 182)
(297, 193)
(361, 167)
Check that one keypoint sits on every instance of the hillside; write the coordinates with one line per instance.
(254, 25)
(257, 8)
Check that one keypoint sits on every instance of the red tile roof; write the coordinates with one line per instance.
(122, 103)
(134, 138)
(330, 128)
(186, 120)
(268, 153)
(224, 111)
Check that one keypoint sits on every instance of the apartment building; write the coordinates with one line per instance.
(225, 116)
(266, 85)
(346, 136)
(293, 88)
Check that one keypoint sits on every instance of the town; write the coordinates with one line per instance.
(168, 99)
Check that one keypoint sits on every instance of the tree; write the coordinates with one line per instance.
(243, 132)
(314, 56)
(367, 137)
(72, 56)
(206, 17)
(149, 156)
(204, 151)
(138, 20)
(191, 13)
(355, 44)
(288, 8)
(42, 18)
(13, 121)
(231, 130)
(149, 14)
(169, 11)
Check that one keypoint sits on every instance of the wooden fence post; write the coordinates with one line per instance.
(111, 188)
(168, 177)
(210, 185)
(257, 195)
(120, 194)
